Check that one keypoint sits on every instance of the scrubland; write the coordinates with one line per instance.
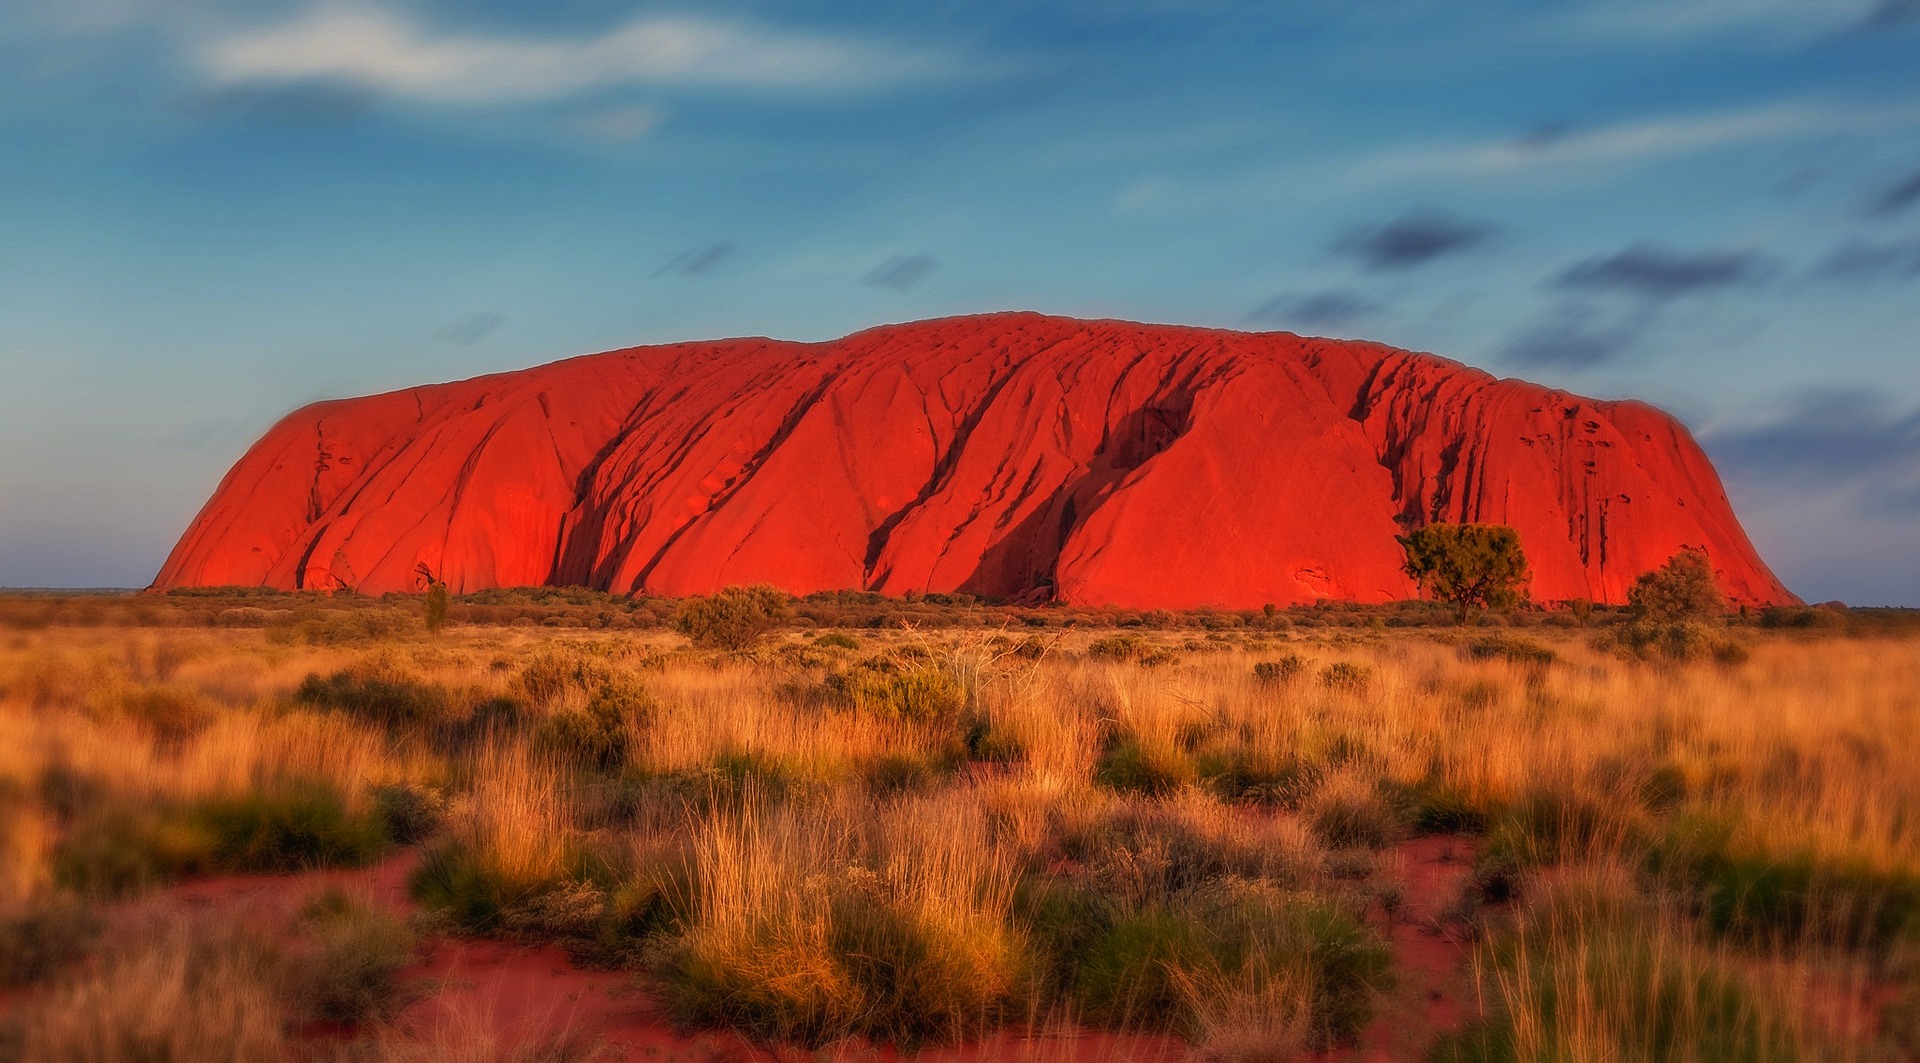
(1185, 829)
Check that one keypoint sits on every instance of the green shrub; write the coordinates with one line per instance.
(1348, 676)
(1131, 766)
(353, 953)
(292, 826)
(1547, 826)
(836, 640)
(598, 736)
(1679, 641)
(552, 673)
(378, 694)
(1645, 991)
(410, 813)
(115, 850)
(1217, 955)
(1509, 648)
(1346, 812)
(458, 882)
(1117, 648)
(1750, 894)
(880, 970)
(1281, 670)
(734, 619)
(921, 691)
(1240, 774)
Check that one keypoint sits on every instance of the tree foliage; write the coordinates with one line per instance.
(1681, 589)
(1468, 565)
(733, 619)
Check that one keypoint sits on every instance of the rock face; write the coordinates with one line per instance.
(1012, 456)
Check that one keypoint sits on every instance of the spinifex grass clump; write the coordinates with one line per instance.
(1235, 962)
(353, 950)
(287, 825)
(1591, 969)
(852, 919)
(1749, 891)
(508, 841)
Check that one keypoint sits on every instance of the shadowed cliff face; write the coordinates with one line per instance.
(1009, 455)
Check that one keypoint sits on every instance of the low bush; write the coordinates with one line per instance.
(1748, 892)
(1348, 811)
(1117, 648)
(410, 813)
(919, 691)
(116, 849)
(292, 826)
(353, 952)
(1298, 971)
(1592, 964)
(40, 937)
(598, 735)
(379, 694)
(1240, 774)
(547, 676)
(469, 888)
(1280, 670)
(1511, 649)
(1132, 765)
(1347, 676)
(735, 619)
(181, 991)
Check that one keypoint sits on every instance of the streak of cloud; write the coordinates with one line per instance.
(695, 261)
(1411, 240)
(901, 272)
(1862, 260)
(1659, 274)
(1898, 198)
(1573, 336)
(470, 329)
(1835, 438)
(386, 51)
(1336, 308)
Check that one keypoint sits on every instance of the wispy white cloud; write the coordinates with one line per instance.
(388, 52)
(1623, 142)
(1567, 154)
(1670, 20)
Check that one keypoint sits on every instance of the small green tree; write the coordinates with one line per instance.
(1468, 565)
(1681, 589)
(734, 619)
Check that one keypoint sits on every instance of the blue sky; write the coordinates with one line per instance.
(212, 212)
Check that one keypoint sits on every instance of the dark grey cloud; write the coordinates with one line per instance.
(299, 104)
(1835, 438)
(1894, 14)
(1865, 260)
(1411, 240)
(1659, 274)
(470, 329)
(698, 260)
(1896, 198)
(1574, 336)
(901, 272)
(1334, 308)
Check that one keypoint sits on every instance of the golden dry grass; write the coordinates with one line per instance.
(759, 838)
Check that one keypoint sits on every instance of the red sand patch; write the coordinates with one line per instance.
(524, 993)
(1432, 993)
